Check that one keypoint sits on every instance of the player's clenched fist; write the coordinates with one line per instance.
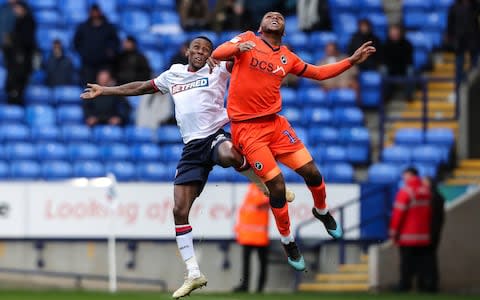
(362, 53)
(247, 46)
(92, 91)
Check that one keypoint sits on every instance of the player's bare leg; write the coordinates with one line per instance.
(184, 195)
(229, 156)
(278, 204)
(316, 184)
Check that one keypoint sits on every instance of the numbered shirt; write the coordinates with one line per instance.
(199, 98)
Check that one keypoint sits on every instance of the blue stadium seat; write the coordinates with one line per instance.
(383, 173)
(355, 135)
(289, 97)
(76, 133)
(420, 40)
(134, 4)
(415, 5)
(313, 96)
(435, 21)
(14, 132)
(38, 94)
(164, 4)
(146, 152)
(344, 5)
(440, 136)
(11, 113)
(44, 4)
(24, 170)
(135, 134)
(318, 40)
(427, 154)
(409, 136)
(420, 58)
(3, 170)
(348, 116)
(334, 154)
(83, 151)
(3, 153)
(40, 115)
(442, 4)
(323, 135)
(228, 35)
(297, 40)
(156, 60)
(20, 151)
(67, 94)
(338, 172)
(168, 134)
(152, 172)
(147, 40)
(37, 77)
(173, 40)
(107, 134)
(88, 169)
(135, 21)
(51, 151)
(370, 89)
(371, 6)
(219, 174)
(45, 36)
(347, 25)
(306, 56)
(426, 169)
(291, 24)
(69, 114)
(108, 7)
(46, 133)
(293, 115)
(76, 10)
(358, 154)
(123, 171)
(302, 135)
(165, 17)
(115, 152)
(397, 155)
(171, 153)
(49, 18)
(342, 97)
(56, 170)
(317, 116)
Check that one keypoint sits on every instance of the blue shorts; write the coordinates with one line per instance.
(198, 158)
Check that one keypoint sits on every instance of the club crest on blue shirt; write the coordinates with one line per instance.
(178, 88)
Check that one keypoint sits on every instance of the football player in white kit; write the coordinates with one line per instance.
(198, 92)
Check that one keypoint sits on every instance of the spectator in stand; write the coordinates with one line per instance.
(59, 67)
(180, 57)
(313, 15)
(111, 110)
(363, 35)
(131, 65)
(347, 79)
(97, 42)
(398, 58)
(19, 47)
(7, 20)
(230, 15)
(410, 229)
(463, 32)
(194, 15)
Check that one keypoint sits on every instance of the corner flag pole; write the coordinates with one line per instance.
(112, 267)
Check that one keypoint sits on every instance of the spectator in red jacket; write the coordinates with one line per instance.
(411, 232)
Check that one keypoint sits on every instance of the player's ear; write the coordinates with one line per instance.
(187, 52)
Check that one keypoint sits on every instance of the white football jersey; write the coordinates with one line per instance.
(198, 97)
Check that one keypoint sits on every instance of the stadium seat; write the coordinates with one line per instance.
(219, 174)
(344, 5)
(67, 95)
(152, 172)
(164, 4)
(69, 114)
(358, 154)
(334, 154)
(348, 116)
(46, 133)
(134, 4)
(342, 97)
(302, 135)
(435, 21)
(297, 40)
(383, 173)
(409, 136)
(44, 4)
(420, 40)
(115, 152)
(135, 134)
(318, 40)
(338, 172)
(442, 4)
(14, 132)
(83, 151)
(323, 135)
(355, 135)
(370, 88)
(424, 169)
(371, 6)
(313, 96)
(24, 170)
(168, 134)
(397, 155)
(414, 5)
(135, 21)
(146, 152)
(3, 170)
(291, 24)
(40, 115)
(427, 154)
(293, 115)
(228, 35)
(56, 170)
(317, 116)
(420, 58)
(107, 134)
(440, 136)
(165, 17)
(289, 97)
(306, 56)
(37, 77)
(3, 153)
(76, 10)
(51, 151)
(45, 36)
(147, 40)
(108, 7)
(20, 151)
(38, 94)
(88, 169)
(76, 133)
(48, 18)
(171, 153)
(123, 171)
(156, 60)
(348, 26)
(11, 113)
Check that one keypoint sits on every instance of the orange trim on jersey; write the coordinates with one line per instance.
(271, 174)
(296, 159)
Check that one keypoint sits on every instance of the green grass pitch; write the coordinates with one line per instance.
(84, 295)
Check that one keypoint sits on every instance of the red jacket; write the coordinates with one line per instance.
(412, 211)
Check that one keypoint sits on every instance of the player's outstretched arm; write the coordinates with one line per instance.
(228, 50)
(129, 89)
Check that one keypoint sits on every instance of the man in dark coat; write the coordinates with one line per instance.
(59, 68)
(363, 35)
(131, 65)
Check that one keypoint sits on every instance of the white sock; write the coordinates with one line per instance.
(287, 239)
(185, 247)
(322, 211)
(256, 180)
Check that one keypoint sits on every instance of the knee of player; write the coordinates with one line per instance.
(180, 212)
(312, 176)
(228, 156)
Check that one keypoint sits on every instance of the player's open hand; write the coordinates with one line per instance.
(92, 91)
(212, 63)
(247, 46)
(362, 53)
